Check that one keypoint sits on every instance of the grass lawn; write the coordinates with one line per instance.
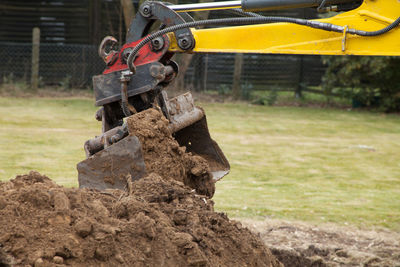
(317, 165)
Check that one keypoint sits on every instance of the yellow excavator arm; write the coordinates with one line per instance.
(289, 38)
(138, 73)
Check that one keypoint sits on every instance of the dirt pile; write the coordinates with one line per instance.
(154, 223)
(163, 155)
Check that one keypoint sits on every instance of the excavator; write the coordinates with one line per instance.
(138, 73)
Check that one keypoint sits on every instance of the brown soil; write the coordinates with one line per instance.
(155, 223)
(163, 155)
(305, 245)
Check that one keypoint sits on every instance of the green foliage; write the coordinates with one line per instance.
(267, 99)
(8, 78)
(13, 86)
(66, 82)
(224, 89)
(272, 97)
(368, 81)
(247, 88)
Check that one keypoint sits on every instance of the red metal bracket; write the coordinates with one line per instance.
(146, 55)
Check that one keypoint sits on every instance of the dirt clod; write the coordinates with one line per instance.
(3, 203)
(58, 260)
(83, 228)
(159, 223)
(61, 201)
(163, 155)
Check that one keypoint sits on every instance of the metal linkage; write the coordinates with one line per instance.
(126, 107)
(259, 5)
(206, 6)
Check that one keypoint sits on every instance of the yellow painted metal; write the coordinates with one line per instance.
(285, 38)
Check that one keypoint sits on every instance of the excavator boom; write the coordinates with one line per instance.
(290, 38)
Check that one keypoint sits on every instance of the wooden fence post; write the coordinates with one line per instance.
(129, 12)
(205, 72)
(298, 89)
(35, 58)
(237, 73)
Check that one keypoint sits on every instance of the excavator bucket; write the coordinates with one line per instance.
(197, 140)
(109, 165)
(189, 125)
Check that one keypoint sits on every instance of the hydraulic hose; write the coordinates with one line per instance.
(378, 32)
(254, 20)
(224, 21)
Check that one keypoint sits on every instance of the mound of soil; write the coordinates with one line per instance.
(163, 155)
(156, 222)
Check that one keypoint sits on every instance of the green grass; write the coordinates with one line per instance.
(46, 135)
(307, 99)
(293, 163)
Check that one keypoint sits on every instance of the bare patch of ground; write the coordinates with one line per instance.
(302, 244)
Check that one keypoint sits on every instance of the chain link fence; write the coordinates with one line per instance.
(62, 61)
(59, 64)
(73, 65)
(259, 72)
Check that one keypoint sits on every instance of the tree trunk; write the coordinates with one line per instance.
(237, 73)
(299, 87)
(129, 12)
(35, 58)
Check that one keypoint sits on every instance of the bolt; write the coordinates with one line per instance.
(185, 43)
(146, 11)
(157, 43)
(157, 72)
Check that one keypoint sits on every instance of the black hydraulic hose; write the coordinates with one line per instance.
(254, 20)
(378, 32)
